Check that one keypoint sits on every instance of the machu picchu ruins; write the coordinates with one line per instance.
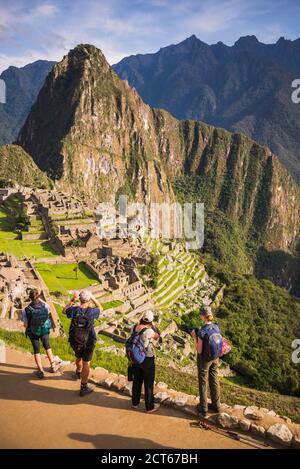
(70, 228)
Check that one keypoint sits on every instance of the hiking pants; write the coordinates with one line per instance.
(208, 374)
(144, 373)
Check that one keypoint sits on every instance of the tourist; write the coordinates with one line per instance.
(37, 323)
(82, 335)
(208, 342)
(145, 372)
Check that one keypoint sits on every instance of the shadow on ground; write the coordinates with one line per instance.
(26, 387)
(104, 441)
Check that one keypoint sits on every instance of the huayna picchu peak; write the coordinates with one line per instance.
(92, 132)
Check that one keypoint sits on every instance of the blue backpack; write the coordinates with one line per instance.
(135, 349)
(212, 343)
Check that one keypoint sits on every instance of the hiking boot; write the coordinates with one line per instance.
(155, 409)
(40, 374)
(134, 406)
(54, 367)
(84, 391)
(213, 408)
(202, 413)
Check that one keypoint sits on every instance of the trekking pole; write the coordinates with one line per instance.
(229, 433)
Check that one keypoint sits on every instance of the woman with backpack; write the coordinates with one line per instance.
(37, 321)
(208, 342)
(144, 367)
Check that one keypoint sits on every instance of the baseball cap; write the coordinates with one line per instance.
(148, 316)
(206, 311)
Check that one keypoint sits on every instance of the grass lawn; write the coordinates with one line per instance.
(63, 318)
(6, 229)
(29, 249)
(17, 247)
(62, 277)
(111, 304)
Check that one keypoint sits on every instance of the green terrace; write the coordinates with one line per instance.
(172, 284)
(111, 304)
(76, 216)
(10, 244)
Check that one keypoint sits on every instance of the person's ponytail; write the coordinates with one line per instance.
(34, 294)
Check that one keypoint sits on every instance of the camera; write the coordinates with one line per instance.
(196, 330)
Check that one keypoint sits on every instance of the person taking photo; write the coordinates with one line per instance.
(82, 335)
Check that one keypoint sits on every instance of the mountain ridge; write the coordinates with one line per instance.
(245, 87)
(22, 87)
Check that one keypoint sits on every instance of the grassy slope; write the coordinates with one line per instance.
(17, 166)
(17, 247)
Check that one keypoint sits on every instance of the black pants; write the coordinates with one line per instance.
(144, 373)
(35, 340)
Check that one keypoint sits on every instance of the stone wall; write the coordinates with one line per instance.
(264, 425)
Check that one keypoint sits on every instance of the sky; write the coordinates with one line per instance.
(32, 29)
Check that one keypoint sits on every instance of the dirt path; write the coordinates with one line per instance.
(50, 414)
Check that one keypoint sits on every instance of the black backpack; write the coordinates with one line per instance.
(80, 330)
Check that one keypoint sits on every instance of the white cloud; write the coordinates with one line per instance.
(49, 29)
(45, 10)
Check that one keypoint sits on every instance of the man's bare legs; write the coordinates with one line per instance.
(85, 372)
(79, 365)
(85, 389)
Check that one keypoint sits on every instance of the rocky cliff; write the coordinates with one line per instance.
(92, 133)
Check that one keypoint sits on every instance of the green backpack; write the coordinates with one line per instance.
(39, 322)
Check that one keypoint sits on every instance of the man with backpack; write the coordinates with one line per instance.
(37, 322)
(141, 357)
(208, 342)
(82, 335)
